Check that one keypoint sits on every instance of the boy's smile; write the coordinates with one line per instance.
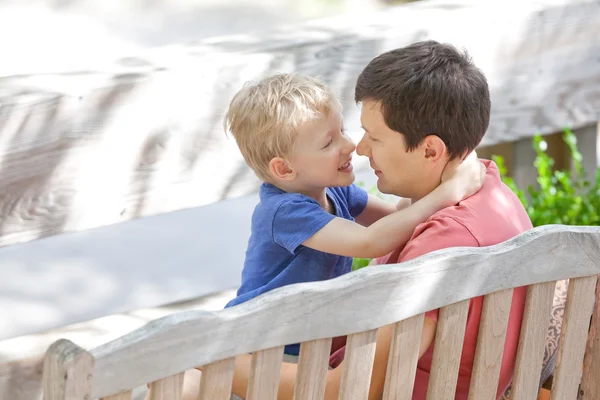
(347, 167)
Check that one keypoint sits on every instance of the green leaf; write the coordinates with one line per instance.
(563, 197)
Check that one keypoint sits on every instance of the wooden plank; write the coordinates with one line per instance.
(590, 384)
(403, 358)
(358, 365)
(449, 338)
(571, 350)
(68, 371)
(120, 396)
(490, 345)
(313, 364)
(396, 291)
(530, 355)
(217, 380)
(167, 148)
(22, 380)
(265, 368)
(170, 388)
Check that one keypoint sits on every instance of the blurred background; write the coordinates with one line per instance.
(66, 36)
(122, 199)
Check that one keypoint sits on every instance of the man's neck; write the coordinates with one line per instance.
(425, 190)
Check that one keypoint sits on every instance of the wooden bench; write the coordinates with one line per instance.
(161, 351)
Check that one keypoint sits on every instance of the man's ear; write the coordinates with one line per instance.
(434, 147)
(281, 169)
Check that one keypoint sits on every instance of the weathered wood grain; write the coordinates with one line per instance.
(346, 304)
(590, 385)
(22, 379)
(68, 371)
(312, 369)
(530, 355)
(490, 345)
(130, 142)
(403, 358)
(573, 337)
(263, 382)
(449, 338)
(169, 388)
(358, 365)
(216, 380)
(126, 395)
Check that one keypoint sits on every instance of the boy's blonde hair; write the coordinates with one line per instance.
(263, 117)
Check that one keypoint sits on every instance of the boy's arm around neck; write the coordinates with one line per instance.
(346, 238)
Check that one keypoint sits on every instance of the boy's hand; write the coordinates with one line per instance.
(465, 176)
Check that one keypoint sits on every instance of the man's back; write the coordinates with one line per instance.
(491, 216)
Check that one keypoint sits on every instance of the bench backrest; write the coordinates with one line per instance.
(161, 351)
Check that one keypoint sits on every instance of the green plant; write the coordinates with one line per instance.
(359, 263)
(562, 197)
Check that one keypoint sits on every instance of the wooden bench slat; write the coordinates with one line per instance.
(530, 354)
(403, 358)
(265, 369)
(578, 311)
(120, 396)
(169, 388)
(590, 384)
(68, 371)
(358, 365)
(449, 338)
(313, 364)
(217, 380)
(490, 345)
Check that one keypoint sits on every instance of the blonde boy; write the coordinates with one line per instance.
(311, 218)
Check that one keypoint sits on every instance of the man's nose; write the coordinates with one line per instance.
(362, 148)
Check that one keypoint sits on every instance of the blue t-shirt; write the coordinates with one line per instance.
(281, 222)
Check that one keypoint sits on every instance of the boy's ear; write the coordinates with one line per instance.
(281, 169)
(434, 148)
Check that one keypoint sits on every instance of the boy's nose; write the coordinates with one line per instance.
(349, 146)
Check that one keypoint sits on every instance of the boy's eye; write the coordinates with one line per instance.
(328, 143)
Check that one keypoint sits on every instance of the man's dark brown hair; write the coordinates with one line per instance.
(429, 88)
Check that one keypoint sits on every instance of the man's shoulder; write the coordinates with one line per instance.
(491, 216)
(449, 225)
(438, 232)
